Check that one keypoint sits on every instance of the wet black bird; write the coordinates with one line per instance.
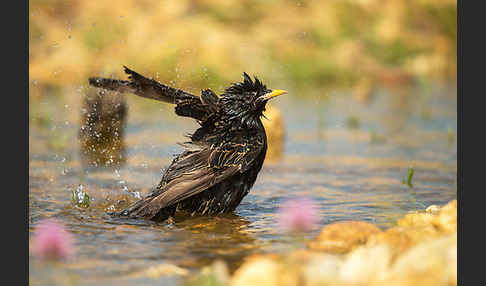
(221, 161)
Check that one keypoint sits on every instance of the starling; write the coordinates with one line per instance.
(221, 161)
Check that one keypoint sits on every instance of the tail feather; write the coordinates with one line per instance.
(144, 209)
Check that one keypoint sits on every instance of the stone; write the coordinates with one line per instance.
(433, 209)
(433, 262)
(215, 274)
(365, 265)
(446, 221)
(395, 238)
(420, 250)
(416, 219)
(258, 270)
(220, 271)
(418, 227)
(157, 271)
(322, 269)
(342, 237)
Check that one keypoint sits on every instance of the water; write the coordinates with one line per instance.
(351, 175)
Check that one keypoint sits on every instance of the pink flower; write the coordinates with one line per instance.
(52, 241)
(298, 215)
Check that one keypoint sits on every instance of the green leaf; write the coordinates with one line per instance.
(410, 176)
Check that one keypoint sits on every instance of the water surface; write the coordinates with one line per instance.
(350, 156)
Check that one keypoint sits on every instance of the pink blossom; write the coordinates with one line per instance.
(51, 240)
(298, 215)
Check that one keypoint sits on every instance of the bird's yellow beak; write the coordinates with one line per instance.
(274, 93)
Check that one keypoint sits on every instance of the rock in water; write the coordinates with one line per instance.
(258, 270)
(103, 120)
(433, 262)
(342, 237)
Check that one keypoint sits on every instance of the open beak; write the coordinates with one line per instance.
(274, 93)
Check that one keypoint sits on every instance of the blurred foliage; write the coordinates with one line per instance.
(207, 43)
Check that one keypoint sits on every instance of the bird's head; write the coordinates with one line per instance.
(246, 100)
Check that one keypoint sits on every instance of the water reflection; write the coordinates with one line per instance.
(209, 238)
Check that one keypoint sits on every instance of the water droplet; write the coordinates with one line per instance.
(80, 197)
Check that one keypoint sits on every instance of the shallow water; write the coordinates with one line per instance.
(329, 156)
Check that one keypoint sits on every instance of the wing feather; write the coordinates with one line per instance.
(187, 105)
(195, 171)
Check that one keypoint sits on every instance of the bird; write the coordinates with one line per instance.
(223, 156)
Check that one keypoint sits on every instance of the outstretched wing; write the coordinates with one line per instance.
(186, 104)
(195, 171)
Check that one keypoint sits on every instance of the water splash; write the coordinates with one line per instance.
(80, 197)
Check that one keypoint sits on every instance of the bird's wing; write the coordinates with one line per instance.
(186, 104)
(236, 152)
(195, 171)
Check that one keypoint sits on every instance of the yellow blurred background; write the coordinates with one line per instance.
(194, 44)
